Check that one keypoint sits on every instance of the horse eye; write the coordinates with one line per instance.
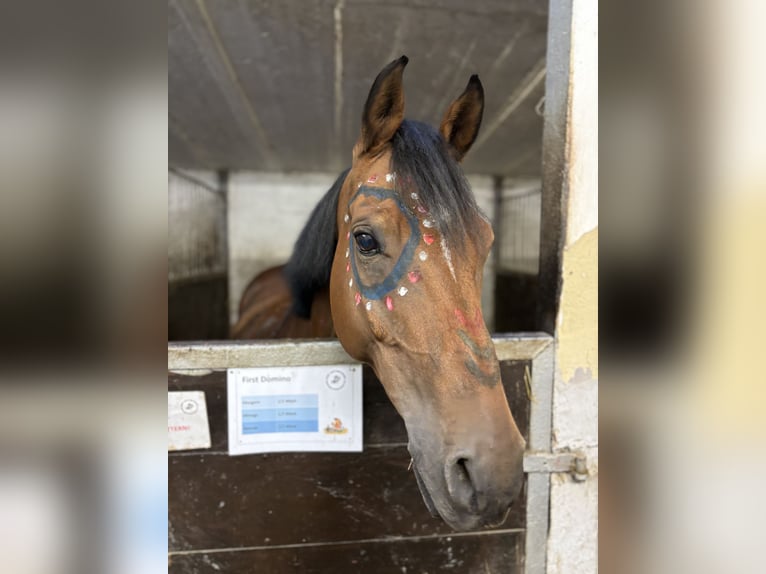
(366, 244)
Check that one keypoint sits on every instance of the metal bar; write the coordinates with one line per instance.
(497, 246)
(221, 355)
(538, 484)
(555, 161)
(549, 462)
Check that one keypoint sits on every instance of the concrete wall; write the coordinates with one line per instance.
(573, 537)
(266, 213)
(268, 210)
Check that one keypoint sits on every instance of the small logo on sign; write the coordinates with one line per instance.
(335, 427)
(336, 380)
(189, 407)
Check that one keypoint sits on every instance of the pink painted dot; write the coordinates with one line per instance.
(460, 317)
(372, 179)
(389, 304)
(422, 209)
(348, 235)
(414, 276)
(428, 238)
(357, 298)
(348, 266)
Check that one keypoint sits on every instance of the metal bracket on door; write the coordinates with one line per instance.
(557, 462)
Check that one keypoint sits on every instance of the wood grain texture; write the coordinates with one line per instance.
(473, 554)
(345, 509)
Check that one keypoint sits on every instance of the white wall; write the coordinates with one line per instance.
(266, 213)
(483, 189)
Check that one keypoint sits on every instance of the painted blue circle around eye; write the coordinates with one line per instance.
(378, 290)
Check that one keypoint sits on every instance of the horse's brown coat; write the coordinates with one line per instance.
(427, 343)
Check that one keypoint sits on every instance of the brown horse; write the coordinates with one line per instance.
(398, 244)
(266, 311)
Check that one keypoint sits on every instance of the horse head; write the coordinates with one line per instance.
(405, 294)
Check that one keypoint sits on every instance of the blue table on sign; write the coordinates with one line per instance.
(280, 413)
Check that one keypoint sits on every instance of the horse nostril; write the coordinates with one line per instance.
(460, 483)
(462, 469)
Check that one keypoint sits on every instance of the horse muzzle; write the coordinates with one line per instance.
(470, 489)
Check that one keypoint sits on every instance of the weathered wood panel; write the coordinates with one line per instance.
(472, 554)
(197, 309)
(329, 508)
(218, 501)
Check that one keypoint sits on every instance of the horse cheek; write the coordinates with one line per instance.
(346, 313)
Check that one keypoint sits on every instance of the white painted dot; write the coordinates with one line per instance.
(428, 223)
(368, 305)
(351, 282)
(423, 255)
(390, 177)
(359, 185)
(346, 252)
(402, 291)
(414, 195)
(346, 218)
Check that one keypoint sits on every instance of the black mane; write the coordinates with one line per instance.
(423, 164)
(308, 270)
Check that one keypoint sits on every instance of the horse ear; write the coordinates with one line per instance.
(384, 111)
(460, 125)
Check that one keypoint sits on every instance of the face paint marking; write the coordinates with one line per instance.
(428, 223)
(414, 276)
(346, 218)
(423, 255)
(347, 253)
(351, 282)
(487, 353)
(368, 305)
(357, 298)
(487, 379)
(372, 179)
(428, 238)
(348, 235)
(390, 283)
(448, 258)
(389, 303)
(402, 291)
(390, 177)
(348, 266)
(474, 325)
(359, 185)
(414, 195)
(422, 209)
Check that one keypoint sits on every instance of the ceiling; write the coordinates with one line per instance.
(279, 85)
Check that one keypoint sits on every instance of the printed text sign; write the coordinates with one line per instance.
(187, 420)
(277, 409)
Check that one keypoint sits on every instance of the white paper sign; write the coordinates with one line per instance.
(295, 409)
(187, 420)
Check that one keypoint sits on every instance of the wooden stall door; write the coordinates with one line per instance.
(324, 512)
